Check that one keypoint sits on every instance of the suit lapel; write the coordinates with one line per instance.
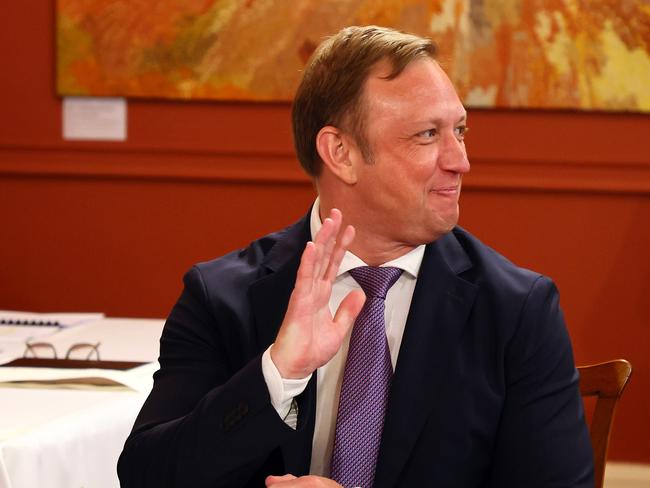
(439, 310)
(269, 298)
(270, 294)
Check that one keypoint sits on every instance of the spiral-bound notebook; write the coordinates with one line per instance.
(10, 317)
(20, 326)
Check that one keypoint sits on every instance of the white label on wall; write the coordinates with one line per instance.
(94, 119)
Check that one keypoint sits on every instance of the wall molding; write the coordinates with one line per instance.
(281, 168)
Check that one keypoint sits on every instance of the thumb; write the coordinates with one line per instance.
(349, 310)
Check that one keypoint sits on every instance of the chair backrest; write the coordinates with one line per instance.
(606, 381)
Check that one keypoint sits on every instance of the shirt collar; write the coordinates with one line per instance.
(409, 262)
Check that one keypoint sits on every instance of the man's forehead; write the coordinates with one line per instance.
(422, 83)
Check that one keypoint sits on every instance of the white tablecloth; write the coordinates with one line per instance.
(74, 437)
(68, 438)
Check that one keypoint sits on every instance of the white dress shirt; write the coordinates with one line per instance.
(330, 375)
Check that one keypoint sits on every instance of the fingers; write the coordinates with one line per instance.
(305, 274)
(315, 259)
(339, 252)
(349, 310)
(272, 480)
(325, 241)
(336, 217)
(330, 253)
(316, 256)
(309, 481)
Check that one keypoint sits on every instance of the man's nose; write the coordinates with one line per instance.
(453, 156)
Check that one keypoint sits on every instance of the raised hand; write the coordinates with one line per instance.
(309, 336)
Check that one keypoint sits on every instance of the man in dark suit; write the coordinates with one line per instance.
(256, 354)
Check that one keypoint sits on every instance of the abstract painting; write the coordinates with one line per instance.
(567, 54)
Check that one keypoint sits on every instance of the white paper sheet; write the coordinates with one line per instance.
(96, 119)
(136, 379)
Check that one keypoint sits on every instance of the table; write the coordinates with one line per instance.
(72, 438)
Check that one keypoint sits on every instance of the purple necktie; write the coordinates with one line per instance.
(366, 383)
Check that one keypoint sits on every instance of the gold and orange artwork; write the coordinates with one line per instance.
(566, 54)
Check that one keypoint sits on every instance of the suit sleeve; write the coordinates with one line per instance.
(543, 440)
(205, 422)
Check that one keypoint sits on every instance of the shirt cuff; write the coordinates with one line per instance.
(282, 391)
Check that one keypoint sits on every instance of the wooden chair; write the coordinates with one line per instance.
(606, 381)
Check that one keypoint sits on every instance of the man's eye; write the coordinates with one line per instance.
(460, 131)
(428, 133)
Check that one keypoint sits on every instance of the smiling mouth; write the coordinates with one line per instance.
(446, 190)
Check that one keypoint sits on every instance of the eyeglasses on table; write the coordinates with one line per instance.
(45, 350)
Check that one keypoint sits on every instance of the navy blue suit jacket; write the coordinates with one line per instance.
(484, 394)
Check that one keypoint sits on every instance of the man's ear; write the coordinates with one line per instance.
(334, 149)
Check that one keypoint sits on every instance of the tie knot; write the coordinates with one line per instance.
(374, 281)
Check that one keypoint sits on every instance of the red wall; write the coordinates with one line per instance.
(112, 226)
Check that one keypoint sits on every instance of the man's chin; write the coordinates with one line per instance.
(442, 227)
(433, 234)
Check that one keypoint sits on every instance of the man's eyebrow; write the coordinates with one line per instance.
(440, 120)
